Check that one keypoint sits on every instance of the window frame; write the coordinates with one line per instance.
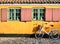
(14, 14)
(38, 14)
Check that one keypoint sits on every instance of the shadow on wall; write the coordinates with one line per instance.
(35, 29)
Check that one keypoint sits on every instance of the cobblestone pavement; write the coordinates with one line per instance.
(25, 40)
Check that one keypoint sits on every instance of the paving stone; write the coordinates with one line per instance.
(23, 40)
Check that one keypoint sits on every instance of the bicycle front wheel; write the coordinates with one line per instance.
(39, 35)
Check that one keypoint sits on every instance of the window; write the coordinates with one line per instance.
(14, 14)
(35, 14)
(18, 15)
(39, 14)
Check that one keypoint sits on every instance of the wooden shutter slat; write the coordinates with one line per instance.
(26, 14)
(56, 14)
(4, 15)
(48, 15)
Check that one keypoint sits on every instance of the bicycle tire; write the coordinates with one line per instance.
(39, 35)
(54, 36)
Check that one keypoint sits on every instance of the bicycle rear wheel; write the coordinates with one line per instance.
(54, 36)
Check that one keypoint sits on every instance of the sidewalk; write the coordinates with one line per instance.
(25, 40)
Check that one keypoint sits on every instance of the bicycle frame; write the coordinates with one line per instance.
(41, 30)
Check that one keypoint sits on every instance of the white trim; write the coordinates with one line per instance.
(30, 4)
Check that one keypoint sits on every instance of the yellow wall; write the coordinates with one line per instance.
(17, 27)
(30, 6)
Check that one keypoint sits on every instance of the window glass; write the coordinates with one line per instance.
(14, 14)
(39, 14)
(35, 14)
(18, 14)
(11, 14)
(42, 14)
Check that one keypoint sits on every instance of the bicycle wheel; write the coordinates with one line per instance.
(53, 35)
(39, 35)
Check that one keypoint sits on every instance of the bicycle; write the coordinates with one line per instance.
(52, 33)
